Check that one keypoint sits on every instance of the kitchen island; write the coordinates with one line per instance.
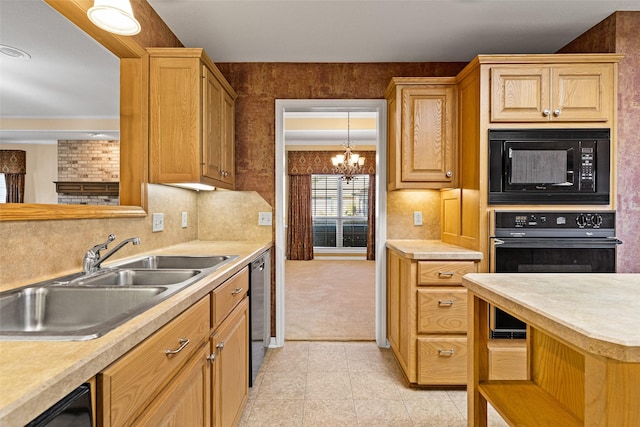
(36, 374)
(583, 349)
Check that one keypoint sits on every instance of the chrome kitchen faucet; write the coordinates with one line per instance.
(92, 259)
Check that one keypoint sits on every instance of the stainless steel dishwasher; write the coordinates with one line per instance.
(259, 312)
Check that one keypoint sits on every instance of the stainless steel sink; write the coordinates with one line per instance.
(70, 312)
(133, 277)
(179, 262)
(85, 306)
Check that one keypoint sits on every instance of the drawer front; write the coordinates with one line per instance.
(132, 382)
(444, 272)
(442, 310)
(228, 295)
(442, 361)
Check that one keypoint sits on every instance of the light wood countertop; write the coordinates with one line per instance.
(36, 374)
(597, 313)
(432, 250)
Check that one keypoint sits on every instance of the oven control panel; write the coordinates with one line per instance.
(555, 220)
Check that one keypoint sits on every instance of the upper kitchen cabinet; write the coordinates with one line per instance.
(422, 150)
(192, 119)
(579, 92)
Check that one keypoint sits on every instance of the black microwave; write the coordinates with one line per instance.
(549, 166)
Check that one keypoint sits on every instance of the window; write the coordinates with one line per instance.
(3, 189)
(339, 211)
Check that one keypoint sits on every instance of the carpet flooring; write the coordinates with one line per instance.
(330, 300)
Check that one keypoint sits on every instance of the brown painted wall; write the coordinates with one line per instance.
(619, 33)
(260, 84)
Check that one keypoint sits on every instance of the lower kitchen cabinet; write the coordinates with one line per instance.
(129, 388)
(427, 318)
(230, 370)
(186, 400)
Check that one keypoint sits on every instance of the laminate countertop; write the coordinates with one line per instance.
(36, 374)
(598, 313)
(432, 250)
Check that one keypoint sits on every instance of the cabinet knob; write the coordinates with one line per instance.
(546, 112)
(449, 174)
(220, 346)
(183, 343)
(211, 357)
(557, 112)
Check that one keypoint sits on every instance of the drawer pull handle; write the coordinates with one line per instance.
(183, 343)
(237, 291)
(446, 273)
(445, 352)
(445, 303)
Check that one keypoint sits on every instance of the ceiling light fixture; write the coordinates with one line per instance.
(14, 52)
(348, 164)
(115, 16)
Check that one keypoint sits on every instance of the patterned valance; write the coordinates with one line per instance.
(319, 162)
(13, 161)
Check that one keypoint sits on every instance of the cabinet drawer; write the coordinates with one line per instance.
(132, 382)
(228, 295)
(443, 272)
(442, 310)
(442, 361)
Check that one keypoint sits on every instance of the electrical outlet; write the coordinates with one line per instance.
(184, 220)
(265, 218)
(158, 222)
(417, 218)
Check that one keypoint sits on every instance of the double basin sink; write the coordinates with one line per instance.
(85, 306)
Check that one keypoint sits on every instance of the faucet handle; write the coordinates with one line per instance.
(97, 248)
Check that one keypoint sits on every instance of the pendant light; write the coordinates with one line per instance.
(115, 16)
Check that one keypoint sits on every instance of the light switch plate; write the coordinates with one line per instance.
(184, 220)
(158, 222)
(417, 218)
(265, 218)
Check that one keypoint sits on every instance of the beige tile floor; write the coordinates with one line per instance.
(316, 383)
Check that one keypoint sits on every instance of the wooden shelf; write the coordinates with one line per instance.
(526, 403)
(86, 187)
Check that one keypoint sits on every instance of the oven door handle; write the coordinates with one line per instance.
(547, 242)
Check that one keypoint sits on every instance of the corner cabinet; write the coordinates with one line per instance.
(422, 151)
(192, 119)
(559, 93)
(427, 318)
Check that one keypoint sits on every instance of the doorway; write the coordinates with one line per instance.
(328, 105)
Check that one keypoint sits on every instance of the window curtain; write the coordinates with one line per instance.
(300, 229)
(371, 219)
(13, 166)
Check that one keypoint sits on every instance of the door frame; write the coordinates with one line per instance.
(311, 105)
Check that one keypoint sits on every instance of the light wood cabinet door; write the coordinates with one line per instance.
(559, 93)
(174, 115)
(427, 152)
(186, 400)
(422, 134)
(230, 381)
(212, 126)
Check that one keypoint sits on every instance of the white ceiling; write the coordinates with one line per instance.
(379, 30)
(85, 76)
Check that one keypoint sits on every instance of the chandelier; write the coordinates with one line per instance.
(348, 164)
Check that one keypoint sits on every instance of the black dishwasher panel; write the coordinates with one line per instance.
(73, 410)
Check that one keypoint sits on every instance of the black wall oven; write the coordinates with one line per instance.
(549, 242)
